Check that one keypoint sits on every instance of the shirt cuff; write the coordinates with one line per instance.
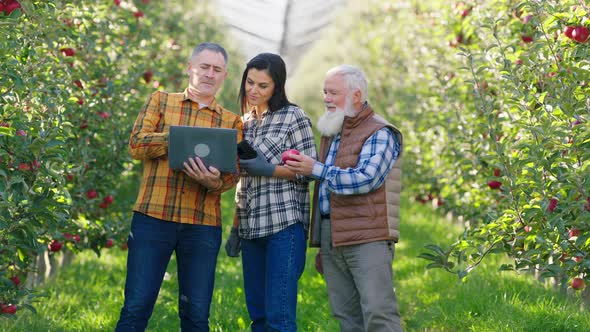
(319, 171)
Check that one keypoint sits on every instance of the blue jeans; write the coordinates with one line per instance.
(151, 243)
(272, 267)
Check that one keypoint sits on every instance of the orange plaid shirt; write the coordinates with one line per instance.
(172, 195)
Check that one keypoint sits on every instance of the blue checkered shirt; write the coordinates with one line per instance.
(267, 205)
(376, 159)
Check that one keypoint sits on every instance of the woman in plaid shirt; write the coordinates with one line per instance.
(272, 203)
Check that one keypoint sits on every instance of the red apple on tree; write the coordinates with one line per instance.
(54, 246)
(15, 280)
(91, 194)
(147, 76)
(578, 283)
(78, 83)
(494, 184)
(10, 6)
(9, 309)
(286, 156)
(552, 204)
(67, 51)
(573, 232)
(109, 243)
(108, 199)
(567, 31)
(24, 167)
(580, 34)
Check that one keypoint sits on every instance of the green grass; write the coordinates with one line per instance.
(87, 295)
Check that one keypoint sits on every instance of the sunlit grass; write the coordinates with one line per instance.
(88, 295)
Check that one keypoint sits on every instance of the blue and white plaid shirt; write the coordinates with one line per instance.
(376, 159)
(267, 205)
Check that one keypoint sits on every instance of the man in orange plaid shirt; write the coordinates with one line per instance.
(177, 211)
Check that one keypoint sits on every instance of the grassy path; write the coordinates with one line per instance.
(87, 295)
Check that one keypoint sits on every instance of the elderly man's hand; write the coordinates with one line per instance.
(300, 164)
(208, 177)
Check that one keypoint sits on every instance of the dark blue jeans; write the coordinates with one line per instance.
(151, 243)
(272, 267)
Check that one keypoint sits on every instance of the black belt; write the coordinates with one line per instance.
(325, 216)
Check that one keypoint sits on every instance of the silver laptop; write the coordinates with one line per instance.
(216, 147)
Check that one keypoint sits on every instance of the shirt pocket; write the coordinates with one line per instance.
(272, 148)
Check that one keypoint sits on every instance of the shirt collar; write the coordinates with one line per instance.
(213, 106)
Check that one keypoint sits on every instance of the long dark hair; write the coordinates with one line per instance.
(275, 66)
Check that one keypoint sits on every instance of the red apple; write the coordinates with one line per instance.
(552, 204)
(528, 228)
(21, 132)
(103, 205)
(108, 243)
(54, 245)
(578, 259)
(76, 238)
(70, 177)
(10, 6)
(78, 83)
(24, 167)
(67, 236)
(494, 184)
(91, 194)
(15, 280)
(67, 51)
(286, 156)
(567, 31)
(80, 101)
(147, 76)
(573, 232)
(527, 39)
(108, 199)
(580, 34)
(138, 14)
(578, 283)
(117, 2)
(103, 115)
(8, 308)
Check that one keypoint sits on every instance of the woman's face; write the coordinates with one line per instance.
(259, 87)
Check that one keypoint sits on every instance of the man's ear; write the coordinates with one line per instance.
(356, 97)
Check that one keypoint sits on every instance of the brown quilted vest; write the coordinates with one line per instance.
(365, 217)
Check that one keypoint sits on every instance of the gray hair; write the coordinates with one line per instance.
(211, 47)
(355, 78)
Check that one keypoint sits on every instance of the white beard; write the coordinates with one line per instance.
(330, 123)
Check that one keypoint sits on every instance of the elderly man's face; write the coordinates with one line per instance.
(339, 104)
(335, 92)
